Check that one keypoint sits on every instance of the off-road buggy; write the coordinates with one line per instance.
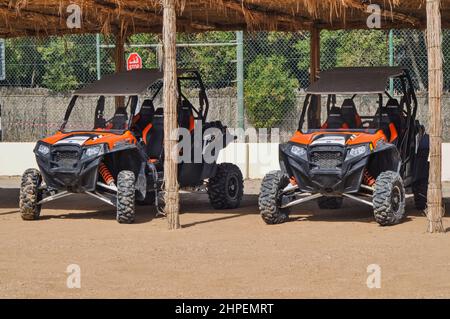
(120, 161)
(374, 159)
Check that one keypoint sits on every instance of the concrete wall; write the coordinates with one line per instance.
(255, 160)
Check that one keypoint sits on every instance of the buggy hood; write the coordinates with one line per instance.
(343, 137)
(90, 138)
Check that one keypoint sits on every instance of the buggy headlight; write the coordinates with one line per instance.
(43, 149)
(93, 151)
(299, 152)
(356, 151)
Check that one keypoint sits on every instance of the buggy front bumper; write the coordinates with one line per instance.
(344, 178)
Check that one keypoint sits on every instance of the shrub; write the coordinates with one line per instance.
(269, 91)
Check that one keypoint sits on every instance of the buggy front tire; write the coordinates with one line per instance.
(226, 188)
(389, 199)
(30, 195)
(126, 192)
(269, 201)
(330, 202)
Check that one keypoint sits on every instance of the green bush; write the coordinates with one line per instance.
(269, 91)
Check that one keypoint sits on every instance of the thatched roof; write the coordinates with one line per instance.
(48, 17)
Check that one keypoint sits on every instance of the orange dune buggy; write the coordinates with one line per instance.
(120, 161)
(371, 159)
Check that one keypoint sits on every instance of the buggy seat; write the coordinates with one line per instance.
(388, 127)
(153, 136)
(350, 114)
(144, 118)
(394, 112)
(335, 119)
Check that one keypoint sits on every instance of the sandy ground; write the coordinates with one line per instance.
(216, 254)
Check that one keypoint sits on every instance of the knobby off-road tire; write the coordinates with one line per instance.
(420, 190)
(270, 198)
(126, 192)
(389, 199)
(330, 202)
(30, 195)
(226, 188)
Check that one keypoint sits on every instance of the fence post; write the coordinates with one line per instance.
(315, 117)
(240, 78)
(391, 59)
(97, 43)
(119, 60)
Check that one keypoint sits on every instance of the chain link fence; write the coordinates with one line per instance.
(40, 74)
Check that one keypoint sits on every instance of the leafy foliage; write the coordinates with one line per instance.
(269, 91)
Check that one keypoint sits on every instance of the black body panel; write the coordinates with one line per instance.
(325, 170)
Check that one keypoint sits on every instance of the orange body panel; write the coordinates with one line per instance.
(357, 137)
(145, 132)
(104, 137)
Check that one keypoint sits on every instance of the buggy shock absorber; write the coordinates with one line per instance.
(368, 178)
(106, 174)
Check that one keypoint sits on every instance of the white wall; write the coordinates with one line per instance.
(254, 160)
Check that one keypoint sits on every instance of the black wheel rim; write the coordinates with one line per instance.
(396, 199)
(233, 187)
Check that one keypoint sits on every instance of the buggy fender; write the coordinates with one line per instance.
(386, 157)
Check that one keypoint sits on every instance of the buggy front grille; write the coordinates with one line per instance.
(326, 160)
(66, 158)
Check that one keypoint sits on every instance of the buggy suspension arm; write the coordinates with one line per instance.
(302, 200)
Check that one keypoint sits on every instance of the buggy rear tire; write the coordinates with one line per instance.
(270, 198)
(226, 188)
(148, 200)
(389, 199)
(420, 190)
(126, 192)
(30, 195)
(330, 202)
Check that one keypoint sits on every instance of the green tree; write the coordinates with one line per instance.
(59, 67)
(22, 62)
(269, 91)
(363, 48)
(216, 63)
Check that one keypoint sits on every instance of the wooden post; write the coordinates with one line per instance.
(170, 114)
(435, 209)
(119, 61)
(315, 119)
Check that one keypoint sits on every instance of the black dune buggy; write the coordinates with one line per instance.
(374, 159)
(119, 159)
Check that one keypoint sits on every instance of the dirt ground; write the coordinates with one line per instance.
(318, 254)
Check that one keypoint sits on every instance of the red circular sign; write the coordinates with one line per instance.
(134, 62)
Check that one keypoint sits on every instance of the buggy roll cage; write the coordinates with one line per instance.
(184, 75)
(408, 105)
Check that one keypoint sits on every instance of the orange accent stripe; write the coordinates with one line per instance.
(145, 132)
(191, 123)
(393, 130)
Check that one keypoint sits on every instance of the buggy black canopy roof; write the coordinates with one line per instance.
(122, 84)
(354, 80)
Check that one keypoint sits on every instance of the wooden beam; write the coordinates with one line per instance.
(435, 209)
(258, 15)
(119, 61)
(314, 116)
(170, 114)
